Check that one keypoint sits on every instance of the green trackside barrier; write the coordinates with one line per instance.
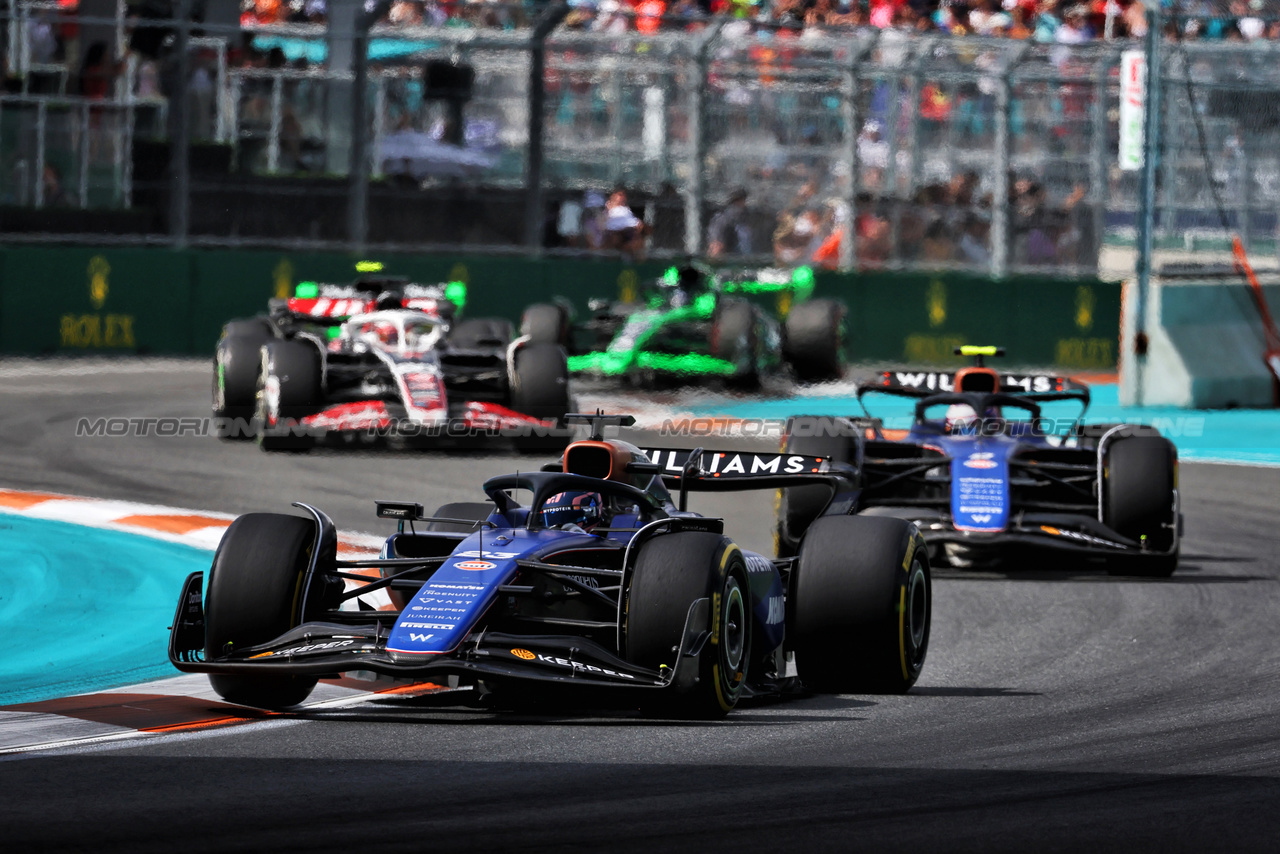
(920, 318)
(69, 300)
(85, 300)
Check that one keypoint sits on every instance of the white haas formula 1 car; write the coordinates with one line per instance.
(299, 376)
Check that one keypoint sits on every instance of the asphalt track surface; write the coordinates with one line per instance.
(1059, 709)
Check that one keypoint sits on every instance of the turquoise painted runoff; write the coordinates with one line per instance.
(1206, 435)
(83, 609)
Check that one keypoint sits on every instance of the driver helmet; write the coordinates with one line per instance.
(381, 332)
(583, 509)
(960, 417)
(420, 337)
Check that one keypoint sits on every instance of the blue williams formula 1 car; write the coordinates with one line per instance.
(987, 478)
(599, 580)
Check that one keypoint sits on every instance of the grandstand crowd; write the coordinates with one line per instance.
(1060, 21)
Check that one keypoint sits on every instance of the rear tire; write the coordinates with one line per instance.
(289, 388)
(815, 340)
(254, 596)
(798, 506)
(235, 374)
(672, 571)
(734, 339)
(861, 605)
(540, 384)
(545, 323)
(1139, 479)
(540, 388)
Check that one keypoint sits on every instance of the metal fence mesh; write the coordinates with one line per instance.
(865, 147)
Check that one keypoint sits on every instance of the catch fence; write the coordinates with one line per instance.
(858, 148)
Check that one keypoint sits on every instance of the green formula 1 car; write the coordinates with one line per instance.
(692, 324)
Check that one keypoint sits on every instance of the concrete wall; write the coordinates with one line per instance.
(1205, 347)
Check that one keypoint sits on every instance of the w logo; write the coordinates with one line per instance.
(985, 517)
(416, 637)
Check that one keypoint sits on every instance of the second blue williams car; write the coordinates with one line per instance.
(987, 478)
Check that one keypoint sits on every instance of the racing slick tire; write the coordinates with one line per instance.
(814, 340)
(540, 388)
(860, 602)
(235, 375)
(545, 323)
(540, 381)
(289, 387)
(254, 596)
(734, 339)
(671, 572)
(1139, 479)
(481, 333)
(798, 506)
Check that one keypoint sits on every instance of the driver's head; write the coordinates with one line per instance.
(688, 278)
(960, 417)
(380, 332)
(584, 509)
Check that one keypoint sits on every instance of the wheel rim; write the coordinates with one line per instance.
(735, 627)
(917, 606)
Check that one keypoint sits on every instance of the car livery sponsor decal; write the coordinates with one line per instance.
(942, 382)
(1079, 536)
(579, 667)
(981, 460)
(768, 599)
(979, 482)
(734, 464)
(523, 653)
(325, 646)
(449, 604)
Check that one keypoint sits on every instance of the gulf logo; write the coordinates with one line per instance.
(981, 461)
(523, 653)
(475, 565)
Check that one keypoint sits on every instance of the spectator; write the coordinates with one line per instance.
(1047, 21)
(1075, 29)
(729, 233)
(937, 245)
(96, 72)
(593, 221)
(54, 195)
(973, 243)
(873, 153)
(624, 231)
(795, 234)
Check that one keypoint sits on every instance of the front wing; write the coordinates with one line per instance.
(326, 649)
(1059, 531)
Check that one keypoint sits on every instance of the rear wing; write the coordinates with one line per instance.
(909, 383)
(322, 302)
(701, 470)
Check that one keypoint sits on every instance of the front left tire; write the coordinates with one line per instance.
(672, 571)
(254, 596)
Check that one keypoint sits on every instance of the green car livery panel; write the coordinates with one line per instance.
(692, 324)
